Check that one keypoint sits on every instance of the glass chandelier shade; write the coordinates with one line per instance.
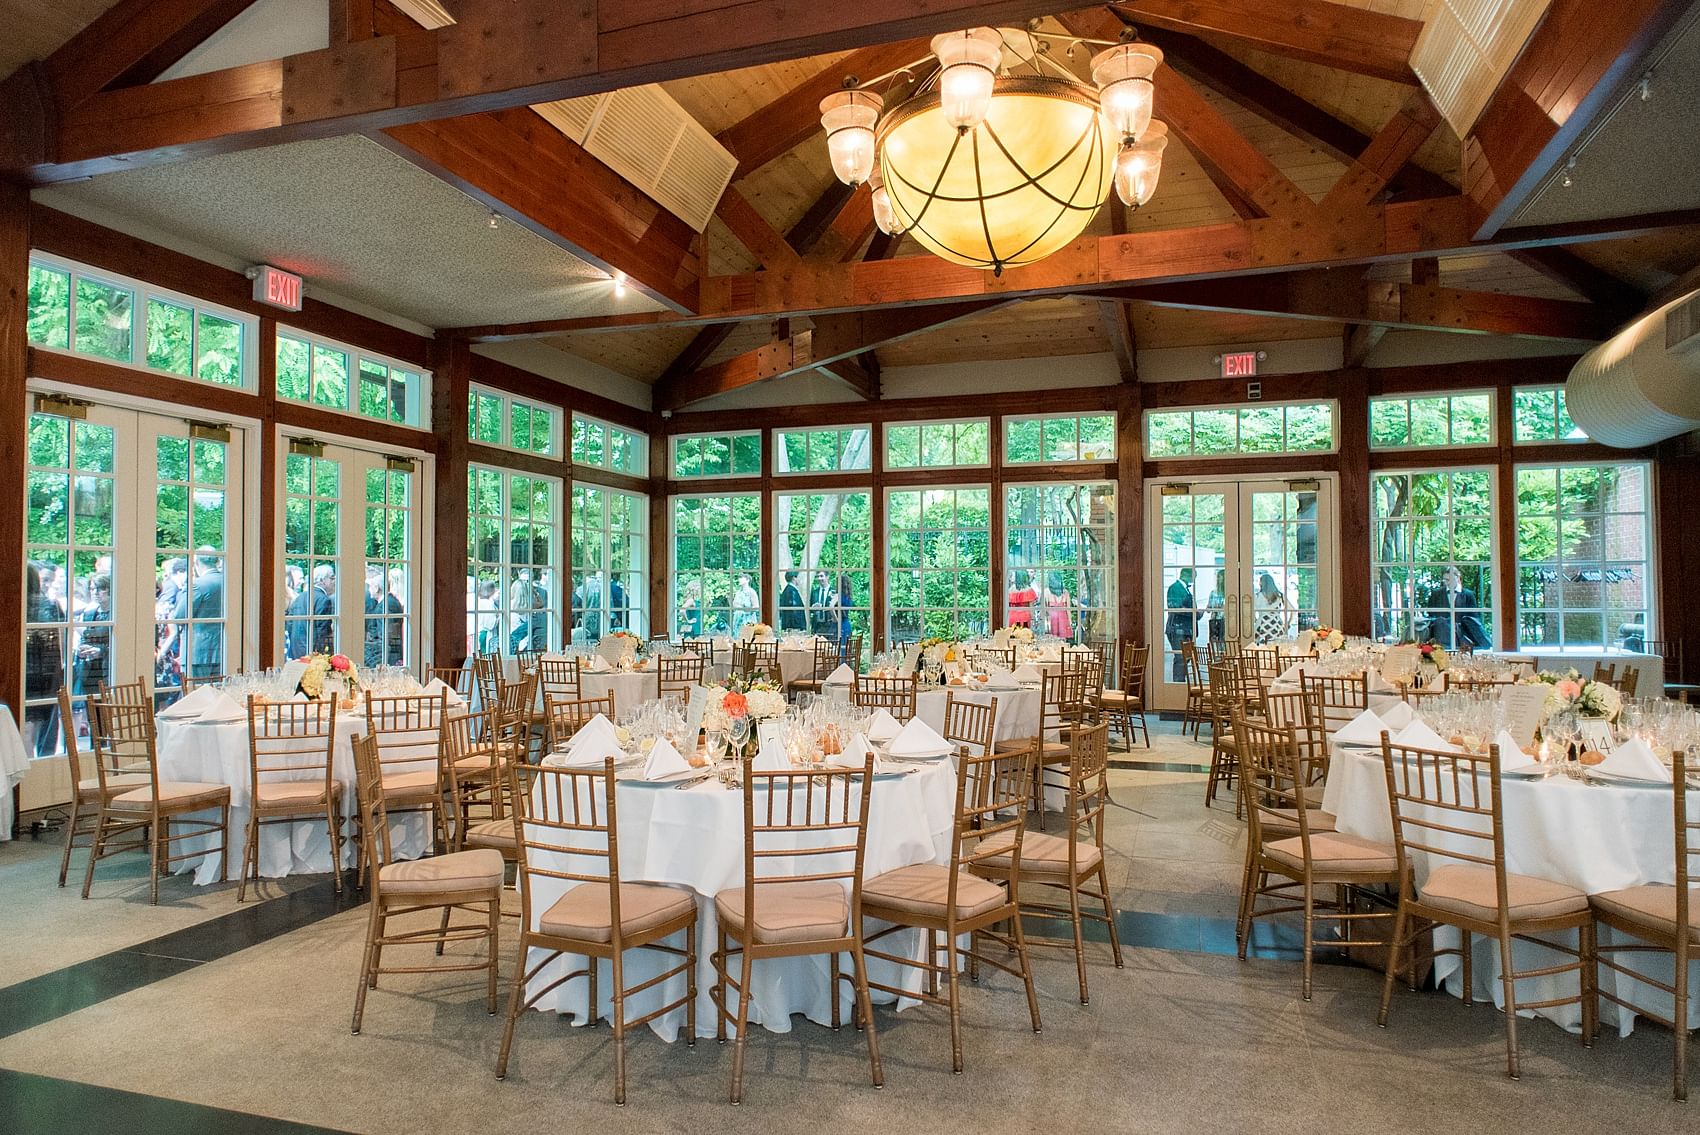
(885, 219)
(1013, 190)
(848, 117)
(968, 68)
(1125, 91)
(1140, 164)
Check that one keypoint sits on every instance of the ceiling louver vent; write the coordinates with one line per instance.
(642, 134)
(1465, 49)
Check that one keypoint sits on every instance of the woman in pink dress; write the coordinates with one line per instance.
(1021, 600)
(1057, 603)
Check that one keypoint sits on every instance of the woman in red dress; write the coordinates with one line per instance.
(1021, 600)
(1057, 603)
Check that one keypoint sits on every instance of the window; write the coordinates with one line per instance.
(511, 538)
(1298, 427)
(1538, 414)
(716, 554)
(1061, 560)
(1060, 437)
(335, 377)
(500, 420)
(717, 455)
(609, 447)
(830, 450)
(938, 445)
(827, 538)
(72, 308)
(1425, 524)
(610, 554)
(390, 512)
(938, 563)
(1584, 547)
(1440, 419)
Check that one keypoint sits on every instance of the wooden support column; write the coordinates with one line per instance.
(879, 553)
(451, 374)
(1130, 514)
(1352, 516)
(14, 427)
(660, 537)
(769, 570)
(1676, 484)
(270, 610)
(1505, 520)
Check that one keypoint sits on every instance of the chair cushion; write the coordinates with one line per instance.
(1334, 851)
(479, 870)
(476, 763)
(1050, 752)
(1468, 889)
(1279, 823)
(410, 785)
(176, 794)
(303, 792)
(90, 788)
(1044, 857)
(498, 834)
(923, 888)
(583, 913)
(1652, 905)
(788, 912)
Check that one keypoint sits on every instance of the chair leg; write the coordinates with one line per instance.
(1079, 942)
(1509, 980)
(334, 830)
(1248, 900)
(1679, 1084)
(691, 984)
(1310, 938)
(1589, 948)
(742, 1025)
(619, 1029)
(495, 949)
(98, 846)
(832, 991)
(955, 995)
(1393, 951)
(866, 1008)
(1020, 938)
(224, 846)
(161, 841)
(378, 948)
(442, 929)
(250, 856)
(594, 1013)
(1109, 914)
(515, 1001)
(368, 965)
(70, 837)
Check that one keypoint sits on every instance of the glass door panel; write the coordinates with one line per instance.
(191, 536)
(388, 602)
(312, 547)
(1194, 545)
(1283, 579)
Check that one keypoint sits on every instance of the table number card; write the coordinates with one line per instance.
(292, 672)
(694, 711)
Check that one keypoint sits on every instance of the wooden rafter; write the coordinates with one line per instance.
(1387, 153)
(752, 230)
(1334, 35)
(1361, 339)
(1596, 284)
(132, 43)
(849, 230)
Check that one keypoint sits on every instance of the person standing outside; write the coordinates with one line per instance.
(1182, 623)
(1272, 610)
(1453, 613)
(746, 603)
(204, 603)
(792, 617)
(845, 603)
(1057, 604)
(1022, 597)
(821, 601)
(312, 623)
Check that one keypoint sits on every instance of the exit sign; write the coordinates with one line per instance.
(1241, 364)
(278, 288)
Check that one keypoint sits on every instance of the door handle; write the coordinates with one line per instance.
(1230, 617)
(1246, 617)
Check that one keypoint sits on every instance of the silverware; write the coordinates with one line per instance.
(693, 781)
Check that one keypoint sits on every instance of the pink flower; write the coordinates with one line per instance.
(1568, 690)
(340, 662)
(736, 705)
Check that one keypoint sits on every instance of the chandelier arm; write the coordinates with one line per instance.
(1033, 179)
(985, 222)
(1067, 206)
(932, 194)
(909, 67)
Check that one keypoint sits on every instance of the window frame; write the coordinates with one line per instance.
(955, 444)
(892, 527)
(634, 581)
(506, 567)
(609, 429)
(1450, 396)
(681, 576)
(841, 434)
(1487, 569)
(418, 412)
(1236, 408)
(508, 403)
(1111, 611)
(1010, 421)
(730, 437)
(1555, 394)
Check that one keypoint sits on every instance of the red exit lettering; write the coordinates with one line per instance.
(1240, 365)
(277, 288)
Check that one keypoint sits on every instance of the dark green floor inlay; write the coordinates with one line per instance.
(42, 1105)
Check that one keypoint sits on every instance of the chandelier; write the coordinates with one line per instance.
(1004, 155)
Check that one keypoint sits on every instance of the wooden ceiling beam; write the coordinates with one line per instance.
(1573, 68)
(849, 230)
(513, 161)
(1594, 283)
(1387, 153)
(498, 55)
(1360, 340)
(1209, 66)
(1117, 321)
(1334, 35)
(853, 374)
(134, 42)
(753, 231)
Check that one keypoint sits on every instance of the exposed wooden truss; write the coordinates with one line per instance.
(1335, 35)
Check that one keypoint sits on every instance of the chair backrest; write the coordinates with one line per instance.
(1447, 806)
(560, 678)
(291, 740)
(565, 829)
(528, 659)
(992, 790)
(1062, 698)
(121, 740)
(1303, 714)
(1344, 696)
(895, 695)
(408, 731)
(1088, 787)
(561, 719)
(191, 683)
(456, 678)
(374, 824)
(850, 653)
(805, 825)
(511, 710)
(970, 725)
(985, 656)
(1413, 695)
(675, 676)
(827, 653)
(68, 723)
(1476, 685)
(1135, 660)
(1227, 688)
(1629, 680)
(1277, 779)
(487, 677)
(469, 735)
(1605, 672)
(126, 693)
(1194, 669)
(702, 646)
(757, 659)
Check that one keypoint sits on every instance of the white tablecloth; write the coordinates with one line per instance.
(695, 838)
(1017, 715)
(13, 765)
(1649, 684)
(217, 753)
(1592, 837)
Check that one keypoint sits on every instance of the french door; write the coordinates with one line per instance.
(350, 538)
(1253, 560)
(133, 528)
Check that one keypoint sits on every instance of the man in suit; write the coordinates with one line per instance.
(204, 603)
(1182, 622)
(1454, 614)
(822, 618)
(618, 612)
(311, 628)
(791, 614)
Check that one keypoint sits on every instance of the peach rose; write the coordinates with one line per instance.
(736, 705)
(1568, 690)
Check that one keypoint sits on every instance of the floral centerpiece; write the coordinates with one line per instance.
(1328, 638)
(1021, 636)
(938, 655)
(1433, 654)
(326, 672)
(753, 632)
(749, 700)
(623, 646)
(1581, 696)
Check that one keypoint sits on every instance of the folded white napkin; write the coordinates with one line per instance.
(599, 664)
(1633, 760)
(853, 755)
(883, 727)
(1364, 729)
(437, 686)
(1377, 682)
(1026, 673)
(999, 678)
(842, 676)
(223, 707)
(664, 761)
(595, 740)
(1511, 754)
(917, 739)
(1291, 673)
(193, 704)
(771, 758)
(1418, 735)
(1397, 716)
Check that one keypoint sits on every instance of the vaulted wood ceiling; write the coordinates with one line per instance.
(1300, 141)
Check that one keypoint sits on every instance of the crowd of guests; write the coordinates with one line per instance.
(827, 608)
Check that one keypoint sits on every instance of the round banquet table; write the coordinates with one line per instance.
(1595, 837)
(694, 837)
(1017, 715)
(216, 752)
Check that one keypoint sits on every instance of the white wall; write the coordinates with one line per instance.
(269, 29)
(1420, 348)
(1286, 356)
(528, 354)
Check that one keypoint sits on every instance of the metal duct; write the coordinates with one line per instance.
(1643, 384)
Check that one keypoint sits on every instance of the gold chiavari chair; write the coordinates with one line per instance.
(487, 679)
(513, 718)
(564, 818)
(1439, 811)
(475, 764)
(1663, 919)
(827, 653)
(408, 732)
(568, 717)
(89, 792)
(894, 695)
(1476, 685)
(1061, 713)
(804, 836)
(555, 679)
(1125, 704)
(850, 652)
(986, 657)
(970, 725)
(126, 693)
(1304, 714)
(1344, 696)
(528, 660)
(1259, 666)
(1292, 839)
(457, 678)
(701, 645)
(122, 739)
(1606, 672)
(1629, 681)
(1227, 697)
(291, 776)
(469, 881)
(1073, 860)
(757, 660)
(677, 675)
(973, 894)
(192, 683)
(1197, 712)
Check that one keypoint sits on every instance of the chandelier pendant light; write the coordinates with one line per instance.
(1005, 156)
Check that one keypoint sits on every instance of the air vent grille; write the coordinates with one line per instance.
(1465, 49)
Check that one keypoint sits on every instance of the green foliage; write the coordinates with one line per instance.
(171, 337)
(717, 455)
(105, 319)
(48, 323)
(1225, 431)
